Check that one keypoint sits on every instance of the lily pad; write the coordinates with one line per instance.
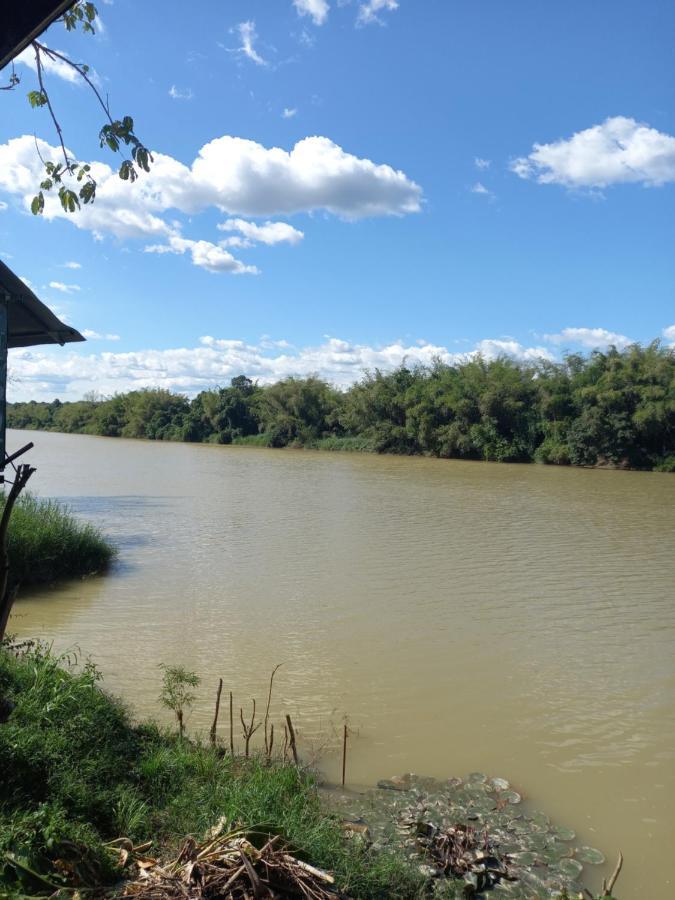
(563, 833)
(499, 784)
(511, 797)
(570, 868)
(590, 855)
(477, 777)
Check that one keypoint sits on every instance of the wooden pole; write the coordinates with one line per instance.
(344, 753)
(215, 716)
(291, 732)
(231, 727)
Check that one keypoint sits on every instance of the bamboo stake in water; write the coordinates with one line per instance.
(231, 727)
(344, 753)
(215, 716)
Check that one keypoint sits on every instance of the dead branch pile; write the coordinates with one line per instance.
(464, 853)
(229, 867)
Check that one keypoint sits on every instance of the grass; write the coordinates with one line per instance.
(75, 771)
(47, 543)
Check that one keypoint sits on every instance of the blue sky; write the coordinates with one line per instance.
(405, 212)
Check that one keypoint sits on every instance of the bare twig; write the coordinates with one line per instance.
(608, 886)
(215, 715)
(82, 72)
(250, 729)
(38, 63)
(268, 749)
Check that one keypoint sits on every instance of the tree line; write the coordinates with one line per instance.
(614, 408)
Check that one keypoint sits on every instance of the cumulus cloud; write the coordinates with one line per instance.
(64, 288)
(317, 9)
(590, 338)
(177, 93)
(669, 334)
(72, 265)
(97, 336)
(268, 233)
(237, 176)
(205, 255)
(288, 113)
(619, 150)
(42, 373)
(248, 36)
(369, 11)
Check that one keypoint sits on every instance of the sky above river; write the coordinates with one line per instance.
(339, 186)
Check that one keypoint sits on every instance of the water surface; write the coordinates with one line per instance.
(513, 619)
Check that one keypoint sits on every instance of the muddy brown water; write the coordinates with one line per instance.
(518, 620)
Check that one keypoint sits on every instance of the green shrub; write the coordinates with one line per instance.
(46, 542)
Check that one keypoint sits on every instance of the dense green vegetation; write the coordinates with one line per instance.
(76, 772)
(46, 542)
(614, 408)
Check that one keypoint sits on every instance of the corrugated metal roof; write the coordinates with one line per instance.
(30, 322)
(21, 23)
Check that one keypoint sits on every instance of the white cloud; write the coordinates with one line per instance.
(619, 150)
(368, 11)
(269, 233)
(97, 336)
(26, 281)
(72, 265)
(590, 338)
(481, 163)
(64, 288)
(50, 66)
(669, 334)
(43, 373)
(238, 177)
(205, 255)
(248, 36)
(289, 113)
(479, 188)
(317, 9)
(177, 93)
(3, 206)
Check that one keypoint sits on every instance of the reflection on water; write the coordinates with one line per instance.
(513, 619)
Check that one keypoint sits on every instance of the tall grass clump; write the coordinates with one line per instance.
(76, 772)
(47, 543)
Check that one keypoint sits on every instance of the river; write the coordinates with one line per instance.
(518, 620)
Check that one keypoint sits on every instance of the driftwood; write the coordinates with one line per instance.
(8, 591)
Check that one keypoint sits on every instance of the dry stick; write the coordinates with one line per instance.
(269, 701)
(608, 886)
(215, 715)
(291, 732)
(285, 742)
(249, 730)
(8, 594)
(269, 753)
(344, 753)
(231, 727)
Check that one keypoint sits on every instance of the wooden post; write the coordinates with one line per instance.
(4, 301)
(214, 726)
(291, 732)
(344, 754)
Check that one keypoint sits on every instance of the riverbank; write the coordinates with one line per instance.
(610, 409)
(76, 773)
(46, 543)
(91, 800)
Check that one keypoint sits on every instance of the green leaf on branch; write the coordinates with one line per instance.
(37, 98)
(37, 204)
(88, 192)
(69, 199)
